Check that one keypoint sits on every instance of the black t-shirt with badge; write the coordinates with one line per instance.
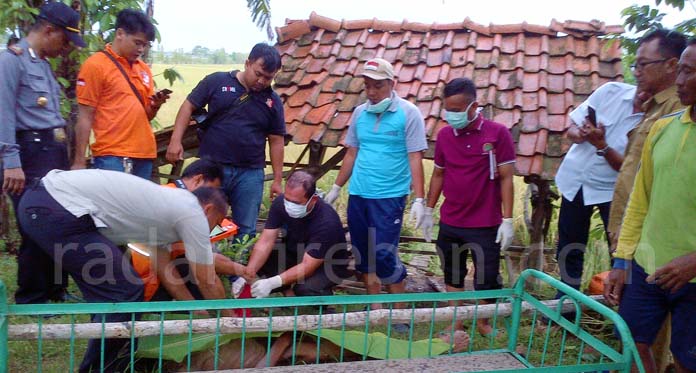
(237, 137)
(319, 234)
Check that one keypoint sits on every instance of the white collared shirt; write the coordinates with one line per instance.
(582, 167)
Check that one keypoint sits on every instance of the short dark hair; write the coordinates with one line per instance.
(134, 21)
(461, 86)
(671, 45)
(305, 179)
(270, 56)
(215, 196)
(12, 41)
(210, 170)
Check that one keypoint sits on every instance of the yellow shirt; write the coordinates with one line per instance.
(663, 103)
(659, 222)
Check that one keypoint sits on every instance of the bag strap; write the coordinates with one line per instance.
(241, 100)
(120, 68)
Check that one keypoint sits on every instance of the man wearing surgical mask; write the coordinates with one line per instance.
(313, 257)
(474, 161)
(385, 142)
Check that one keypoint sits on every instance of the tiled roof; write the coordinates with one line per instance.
(528, 77)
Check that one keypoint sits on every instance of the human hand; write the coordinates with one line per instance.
(237, 287)
(276, 189)
(596, 135)
(13, 180)
(675, 274)
(175, 152)
(417, 211)
(613, 286)
(263, 288)
(428, 224)
(332, 196)
(159, 98)
(505, 234)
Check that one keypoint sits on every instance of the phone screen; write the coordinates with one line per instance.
(592, 115)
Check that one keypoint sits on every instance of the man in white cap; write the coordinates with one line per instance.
(385, 141)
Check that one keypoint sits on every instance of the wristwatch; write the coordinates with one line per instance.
(603, 152)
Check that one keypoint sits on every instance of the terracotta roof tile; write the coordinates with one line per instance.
(528, 77)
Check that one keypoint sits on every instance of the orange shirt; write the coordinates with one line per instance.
(120, 126)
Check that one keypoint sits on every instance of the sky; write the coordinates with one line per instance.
(227, 23)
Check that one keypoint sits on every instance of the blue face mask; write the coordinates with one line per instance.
(296, 210)
(459, 119)
(379, 107)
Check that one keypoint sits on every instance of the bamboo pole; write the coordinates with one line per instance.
(230, 325)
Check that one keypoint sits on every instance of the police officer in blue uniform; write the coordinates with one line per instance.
(32, 136)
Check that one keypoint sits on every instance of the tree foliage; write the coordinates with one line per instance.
(639, 19)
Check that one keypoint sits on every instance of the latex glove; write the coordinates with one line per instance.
(505, 234)
(263, 288)
(332, 196)
(428, 224)
(417, 211)
(237, 287)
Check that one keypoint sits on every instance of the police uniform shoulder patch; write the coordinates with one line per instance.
(16, 50)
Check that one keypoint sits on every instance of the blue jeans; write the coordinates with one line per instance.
(141, 167)
(244, 190)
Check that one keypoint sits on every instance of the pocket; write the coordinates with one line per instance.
(36, 87)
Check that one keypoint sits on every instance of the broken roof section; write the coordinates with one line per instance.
(528, 76)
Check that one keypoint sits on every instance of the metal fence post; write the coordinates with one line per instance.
(4, 351)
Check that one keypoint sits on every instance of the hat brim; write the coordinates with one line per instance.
(376, 76)
(75, 38)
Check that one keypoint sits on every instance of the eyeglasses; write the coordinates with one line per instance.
(641, 65)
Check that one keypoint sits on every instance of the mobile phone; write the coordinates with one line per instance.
(166, 91)
(592, 115)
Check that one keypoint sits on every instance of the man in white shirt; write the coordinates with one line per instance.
(588, 173)
(80, 217)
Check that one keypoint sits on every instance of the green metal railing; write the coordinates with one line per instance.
(560, 347)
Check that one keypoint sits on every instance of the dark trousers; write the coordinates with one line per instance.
(96, 264)
(37, 280)
(321, 282)
(573, 232)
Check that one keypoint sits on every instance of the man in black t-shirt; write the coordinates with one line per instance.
(245, 112)
(313, 257)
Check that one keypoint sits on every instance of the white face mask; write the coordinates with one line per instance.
(296, 210)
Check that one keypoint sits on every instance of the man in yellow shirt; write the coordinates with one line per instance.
(655, 70)
(657, 243)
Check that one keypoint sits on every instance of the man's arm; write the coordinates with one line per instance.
(303, 270)
(175, 150)
(507, 171)
(415, 162)
(435, 186)
(596, 137)
(276, 144)
(346, 166)
(228, 267)
(13, 175)
(83, 127)
(169, 277)
(259, 254)
(156, 102)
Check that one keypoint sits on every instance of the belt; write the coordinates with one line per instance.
(47, 135)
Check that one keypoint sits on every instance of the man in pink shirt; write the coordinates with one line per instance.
(474, 160)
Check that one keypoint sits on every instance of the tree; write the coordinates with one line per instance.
(641, 19)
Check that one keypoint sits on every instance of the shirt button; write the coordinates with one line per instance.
(467, 133)
(468, 146)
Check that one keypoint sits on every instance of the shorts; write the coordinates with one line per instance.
(645, 306)
(453, 246)
(375, 230)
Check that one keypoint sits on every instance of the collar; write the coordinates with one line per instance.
(180, 184)
(685, 118)
(24, 44)
(394, 106)
(660, 98)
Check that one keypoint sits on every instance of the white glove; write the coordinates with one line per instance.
(417, 211)
(428, 224)
(332, 196)
(263, 288)
(237, 287)
(505, 234)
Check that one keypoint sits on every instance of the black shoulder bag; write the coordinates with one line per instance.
(120, 68)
